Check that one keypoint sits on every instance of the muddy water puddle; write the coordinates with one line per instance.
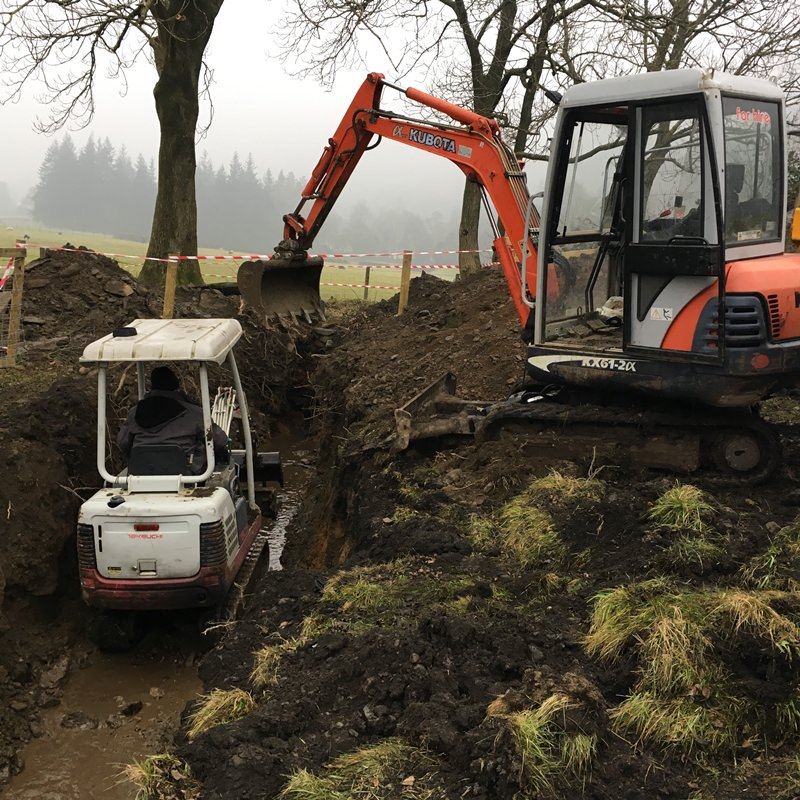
(102, 701)
(298, 467)
(297, 472)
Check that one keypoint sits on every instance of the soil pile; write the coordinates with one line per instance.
(72, 298)
(468, 327)
(514, 626)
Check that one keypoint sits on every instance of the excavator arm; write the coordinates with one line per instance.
(474, 145)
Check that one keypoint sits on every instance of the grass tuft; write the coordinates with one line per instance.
(550, 756)
(378, 762)
(700, 549)
(266, 662)
(481, 531)
(685, 694)
(529, 534)
(386, 595)
(684, 511)
(304, 785)
(778, 567)
(162, 777)
(558, 489)
(676, 722)
(787, 714)
(218, 708)
(621, 613)
(365, 774)
(682, 508)
(525, 530)
(751, 613)
(673, 654)
(578, 752)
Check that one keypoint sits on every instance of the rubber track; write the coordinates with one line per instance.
(682, 421)
(286, 513)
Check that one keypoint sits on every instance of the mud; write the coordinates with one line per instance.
(471, 632)
(429, 671)
(115, 708)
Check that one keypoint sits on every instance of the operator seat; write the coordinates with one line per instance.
(158, 459)
(734, 181)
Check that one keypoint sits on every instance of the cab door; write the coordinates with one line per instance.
(675, 245)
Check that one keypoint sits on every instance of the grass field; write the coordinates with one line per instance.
(335, 272)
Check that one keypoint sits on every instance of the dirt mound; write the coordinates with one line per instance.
(468, 327)
(72, 298)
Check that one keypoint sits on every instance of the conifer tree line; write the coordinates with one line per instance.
(103, 189)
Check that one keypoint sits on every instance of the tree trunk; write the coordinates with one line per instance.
(486, 93)
(178, 54)
(468, 228)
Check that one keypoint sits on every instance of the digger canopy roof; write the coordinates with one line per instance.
(167, 340)
(668, 83)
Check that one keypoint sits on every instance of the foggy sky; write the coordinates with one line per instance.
(259, 108)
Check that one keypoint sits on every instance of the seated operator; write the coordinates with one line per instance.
(165, 415)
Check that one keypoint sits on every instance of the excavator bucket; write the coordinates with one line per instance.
(282, 286)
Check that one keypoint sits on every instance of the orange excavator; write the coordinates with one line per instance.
(651, 283)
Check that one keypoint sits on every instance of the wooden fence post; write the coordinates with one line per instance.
(405, 281)
(170, 284)
(15, 309)
(366, 282)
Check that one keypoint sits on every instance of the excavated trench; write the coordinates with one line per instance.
(70, 715)
(115, 708)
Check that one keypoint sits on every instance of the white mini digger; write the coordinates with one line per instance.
(156, 536)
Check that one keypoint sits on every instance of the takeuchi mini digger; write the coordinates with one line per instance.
(652, 264)
(161, 534)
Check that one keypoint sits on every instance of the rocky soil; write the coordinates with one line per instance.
(452, 621)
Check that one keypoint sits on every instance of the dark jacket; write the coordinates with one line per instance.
(171, 418)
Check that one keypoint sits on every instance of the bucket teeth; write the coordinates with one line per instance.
(282, 286)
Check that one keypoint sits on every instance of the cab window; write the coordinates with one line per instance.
(753, 186)
(594, 154)
(672, 173)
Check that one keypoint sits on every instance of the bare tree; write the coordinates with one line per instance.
(760, 38)
(62, 45)
(488, 46)
(496, 55)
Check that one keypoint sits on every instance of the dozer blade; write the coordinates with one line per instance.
(282, 286)
(436, 412)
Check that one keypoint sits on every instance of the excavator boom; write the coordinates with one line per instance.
(290, 281)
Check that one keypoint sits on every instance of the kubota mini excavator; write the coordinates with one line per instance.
(664, 203)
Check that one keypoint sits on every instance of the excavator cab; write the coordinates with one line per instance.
(664, 203)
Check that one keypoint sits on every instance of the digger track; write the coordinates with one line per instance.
(289, 504)
(713, 430)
